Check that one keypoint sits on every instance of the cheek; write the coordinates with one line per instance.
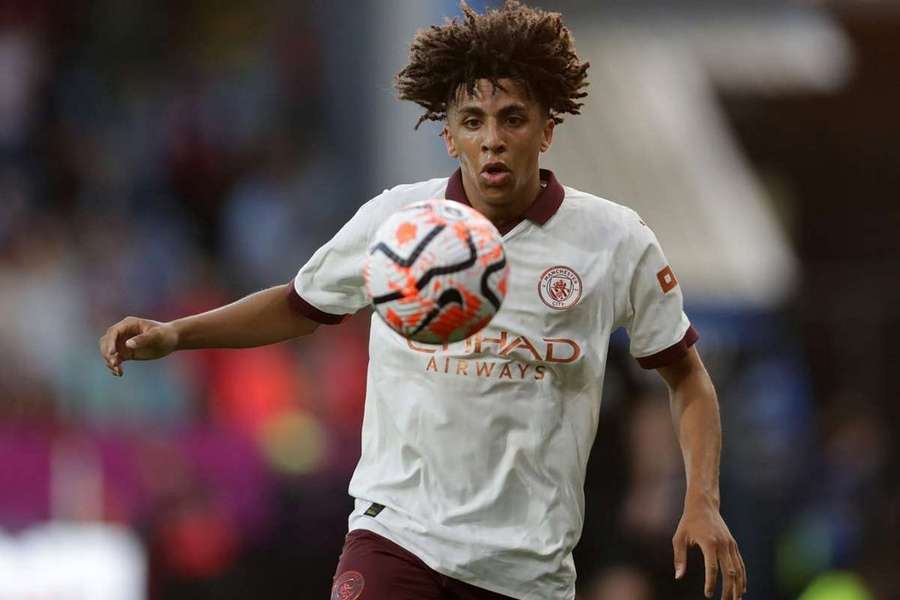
(530, 148)
(467, 145)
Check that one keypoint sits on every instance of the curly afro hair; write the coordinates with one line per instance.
(529, 45)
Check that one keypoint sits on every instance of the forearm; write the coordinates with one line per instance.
(695, 413)
(262, 318)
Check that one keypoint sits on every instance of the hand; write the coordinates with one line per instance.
(702, 525)
(133, 338)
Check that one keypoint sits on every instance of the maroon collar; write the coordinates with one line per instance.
(540, 211)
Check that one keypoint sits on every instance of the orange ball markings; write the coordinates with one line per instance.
(406, 232)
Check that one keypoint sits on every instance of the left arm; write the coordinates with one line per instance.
(695, 413)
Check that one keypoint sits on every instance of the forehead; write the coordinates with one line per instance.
(487, 96)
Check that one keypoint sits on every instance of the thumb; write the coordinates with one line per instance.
(679, 545)
(142, 340)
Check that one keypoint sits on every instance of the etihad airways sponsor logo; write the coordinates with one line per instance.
(525, 358)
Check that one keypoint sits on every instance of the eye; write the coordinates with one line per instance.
(471, 123)
(515, 120)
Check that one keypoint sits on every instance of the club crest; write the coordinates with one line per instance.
(348, 586)
(560, 287)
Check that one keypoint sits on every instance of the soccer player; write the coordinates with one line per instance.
(470, 483)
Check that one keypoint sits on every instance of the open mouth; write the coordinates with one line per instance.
(495, 168)
(495, 173)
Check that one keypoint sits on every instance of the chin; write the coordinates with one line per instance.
(496, 195)
(498, 190)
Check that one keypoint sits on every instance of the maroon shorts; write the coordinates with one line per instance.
(374, 568)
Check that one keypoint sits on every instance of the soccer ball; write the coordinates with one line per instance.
(436, 271)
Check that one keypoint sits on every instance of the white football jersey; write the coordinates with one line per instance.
(477, 451)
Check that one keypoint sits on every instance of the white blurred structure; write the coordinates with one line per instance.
(400, 153)
(654, 137)
(71, 561)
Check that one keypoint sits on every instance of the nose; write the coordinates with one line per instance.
(493, 140)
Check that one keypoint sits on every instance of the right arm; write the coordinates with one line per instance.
(332, 280)
(259, 319)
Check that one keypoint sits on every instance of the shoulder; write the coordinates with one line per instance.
(399, 196)
(601, 219)
(420, 190)
(599, 208)
(379, 208)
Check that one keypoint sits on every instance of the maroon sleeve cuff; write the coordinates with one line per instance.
(672, 353)
(311, 312)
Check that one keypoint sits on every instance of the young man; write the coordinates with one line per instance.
(470, 483)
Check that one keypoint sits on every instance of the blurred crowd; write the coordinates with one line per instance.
(154, 162)
(160, 159)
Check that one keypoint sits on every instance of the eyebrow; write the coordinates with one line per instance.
(478, 112)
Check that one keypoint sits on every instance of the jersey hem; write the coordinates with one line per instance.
(301, 306)
(671, 354)
(379, 529)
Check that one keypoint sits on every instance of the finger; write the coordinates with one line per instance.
(742, 589)
(712, 570)
(111, 362)
(111, 358)
(729, 573)
(107, 344)
(113, 367)
(737, 585)
(124, 329)
(679, 547)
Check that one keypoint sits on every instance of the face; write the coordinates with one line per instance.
(497, 135)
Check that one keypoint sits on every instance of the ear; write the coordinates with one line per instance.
(547, 135)
(448, 141)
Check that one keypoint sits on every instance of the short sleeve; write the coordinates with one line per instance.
(657, 326)
(330, 286)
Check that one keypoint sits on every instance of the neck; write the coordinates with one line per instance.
(507, 208)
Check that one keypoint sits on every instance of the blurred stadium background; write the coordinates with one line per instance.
(160, 158)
